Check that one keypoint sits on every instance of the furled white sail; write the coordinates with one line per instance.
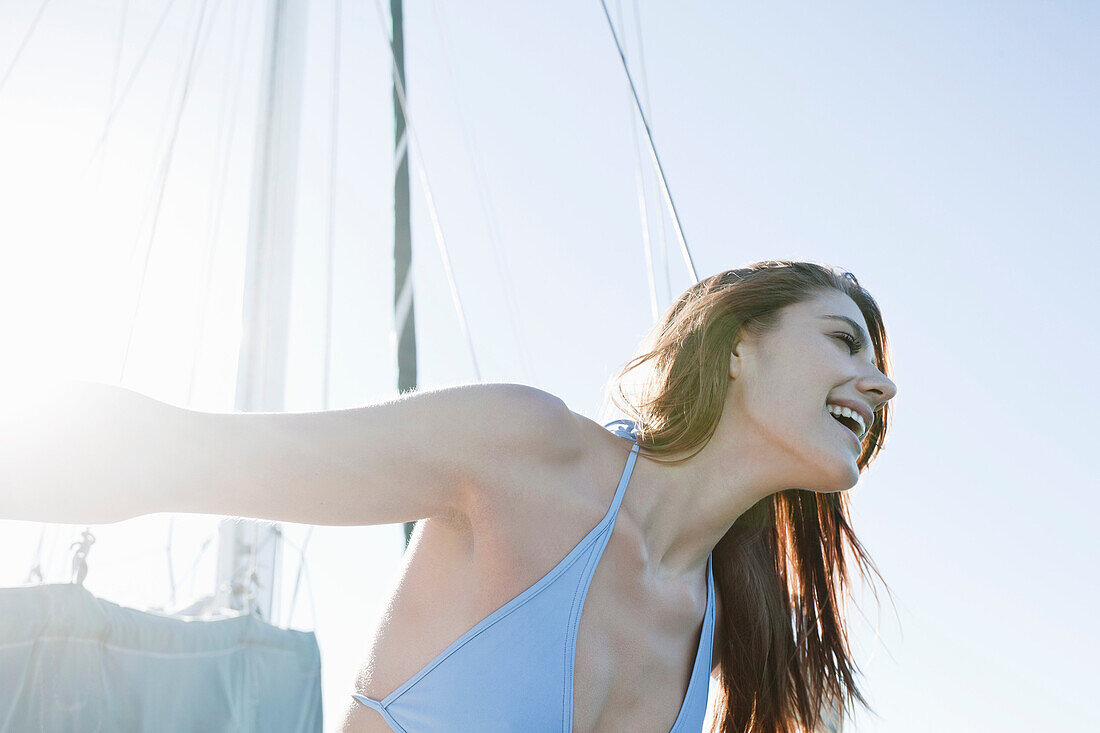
(72, 662)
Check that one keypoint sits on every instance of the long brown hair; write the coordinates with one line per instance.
(782, 569)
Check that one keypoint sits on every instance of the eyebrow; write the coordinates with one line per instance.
(863, 337)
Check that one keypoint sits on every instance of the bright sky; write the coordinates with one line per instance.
(943, 152)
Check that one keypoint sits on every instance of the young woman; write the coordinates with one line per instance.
(708, 533)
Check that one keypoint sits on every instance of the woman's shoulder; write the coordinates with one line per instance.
(565, 480)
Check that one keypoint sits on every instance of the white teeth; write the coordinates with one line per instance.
(845, 412)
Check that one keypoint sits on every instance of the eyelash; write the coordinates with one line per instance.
(853, 343)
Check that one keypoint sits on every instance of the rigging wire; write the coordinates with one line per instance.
(198, 558)
(643, 207)
(163, 134)
(118, 56)
(23, 44)
(165, 167)
(644, 78)
(226, 134)
(652, 148)
(298, 577)
(170, 101)
(198, 43)
(330, 248)
(126, 88)
(35, 574)
(218, 199)
(101, 141)
(119, 44)
(399, 88)
(484, 198)
(216, 190)
(303, 568)
(114, 80)
(255, 546)
(102, 160)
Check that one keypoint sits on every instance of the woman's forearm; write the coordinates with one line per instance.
(77, 452)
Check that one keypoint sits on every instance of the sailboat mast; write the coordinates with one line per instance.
(404, 321)
(248, 551)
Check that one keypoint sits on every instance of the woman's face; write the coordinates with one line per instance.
(783, 381)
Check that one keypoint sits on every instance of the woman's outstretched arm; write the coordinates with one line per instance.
(82, 452)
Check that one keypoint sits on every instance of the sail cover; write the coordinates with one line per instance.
(72, 662)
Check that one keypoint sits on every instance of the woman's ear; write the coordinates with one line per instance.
(735, 361)
(744, 344)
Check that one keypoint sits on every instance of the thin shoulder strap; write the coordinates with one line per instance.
(620, 490)
(628, 430)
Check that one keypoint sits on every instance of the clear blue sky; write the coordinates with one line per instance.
(946, 153)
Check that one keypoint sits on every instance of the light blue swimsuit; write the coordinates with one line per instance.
(513, 671)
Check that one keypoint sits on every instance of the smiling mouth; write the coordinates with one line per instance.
(846, 422)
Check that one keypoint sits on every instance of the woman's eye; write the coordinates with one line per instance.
(853, 345)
